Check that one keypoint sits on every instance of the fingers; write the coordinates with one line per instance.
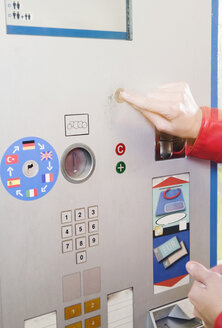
(217, 269)
(159, 103)
(198, 272)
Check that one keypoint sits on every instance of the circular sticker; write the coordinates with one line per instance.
(120, 149)
(29, 168)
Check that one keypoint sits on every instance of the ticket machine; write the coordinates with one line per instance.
(97, 222)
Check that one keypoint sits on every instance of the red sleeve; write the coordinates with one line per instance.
(208, 144)
(218, 322)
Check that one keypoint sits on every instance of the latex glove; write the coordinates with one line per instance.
(170, 108)
(206, 292)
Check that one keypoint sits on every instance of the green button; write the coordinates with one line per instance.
(120, 167)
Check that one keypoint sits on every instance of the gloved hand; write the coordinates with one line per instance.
(170, 108)
(206, 292)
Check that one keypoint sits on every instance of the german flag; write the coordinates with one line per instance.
(29, 144)
(13, 182)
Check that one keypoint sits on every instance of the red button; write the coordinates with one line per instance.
(120, 149)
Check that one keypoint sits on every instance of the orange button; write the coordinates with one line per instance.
(73, 311)
(75, 325)
(93, 322)
(92, 305)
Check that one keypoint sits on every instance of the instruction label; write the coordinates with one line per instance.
(171, 231)
(29, 168)
(72, 18)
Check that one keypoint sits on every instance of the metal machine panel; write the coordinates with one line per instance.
(91, 235)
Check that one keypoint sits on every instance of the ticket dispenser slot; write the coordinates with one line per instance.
(169, 147)
(78, 163)
(174, 315)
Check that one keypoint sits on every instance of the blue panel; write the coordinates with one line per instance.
(214, 103)
(46, 31)
(178, 268)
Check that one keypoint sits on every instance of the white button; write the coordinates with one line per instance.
(67, 231)
(93, 226)
(93, 240)
(67, 246)
(80, 229)
(81, 243)
(81, 257)
(80, 214)
(93, 212)
(66, 217)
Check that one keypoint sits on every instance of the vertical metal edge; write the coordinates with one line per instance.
(129, 21)
(214, 103)
(1, 316)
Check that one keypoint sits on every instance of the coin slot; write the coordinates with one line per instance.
(78, 163)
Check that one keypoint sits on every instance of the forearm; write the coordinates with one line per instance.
(208, 144)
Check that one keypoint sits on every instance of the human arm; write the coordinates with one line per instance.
(206, 294)
(172, 109)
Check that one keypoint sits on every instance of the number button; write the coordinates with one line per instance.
(81, 257)
(93, 226)
(80, 229)
(67, 231)
(92, 305)
(93, 212)
(66, 217)
(73, 311)
(80, 214)
(67, 246)
(80, 243)
(94, 322)
(93, 240)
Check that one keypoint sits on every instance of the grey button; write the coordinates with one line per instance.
(91, 281)
(71, 287)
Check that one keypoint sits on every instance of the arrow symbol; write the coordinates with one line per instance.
(44, 189)
(9, 170)
(42, 147)
(16, 148)
(18, 193)
(49, 167)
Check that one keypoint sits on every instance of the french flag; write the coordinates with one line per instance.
(48, 177)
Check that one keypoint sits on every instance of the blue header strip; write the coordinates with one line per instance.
(47, 31)
(214, 103)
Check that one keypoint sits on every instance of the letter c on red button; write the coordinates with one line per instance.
(120, 149)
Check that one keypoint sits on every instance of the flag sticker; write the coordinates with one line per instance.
(45, 156)
(11, 183)
(12, 159)
(31, 193)
(48, 177)
(28, 145)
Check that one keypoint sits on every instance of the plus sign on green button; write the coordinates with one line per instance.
(120, 167)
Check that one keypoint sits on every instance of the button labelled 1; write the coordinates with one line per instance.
(66, 217)
(73, 311)
(120, 149)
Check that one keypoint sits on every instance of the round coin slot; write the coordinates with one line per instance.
(30, 169)
(78, 163)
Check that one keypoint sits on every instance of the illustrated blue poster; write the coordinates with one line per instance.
(29, 168)
(171, 231)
